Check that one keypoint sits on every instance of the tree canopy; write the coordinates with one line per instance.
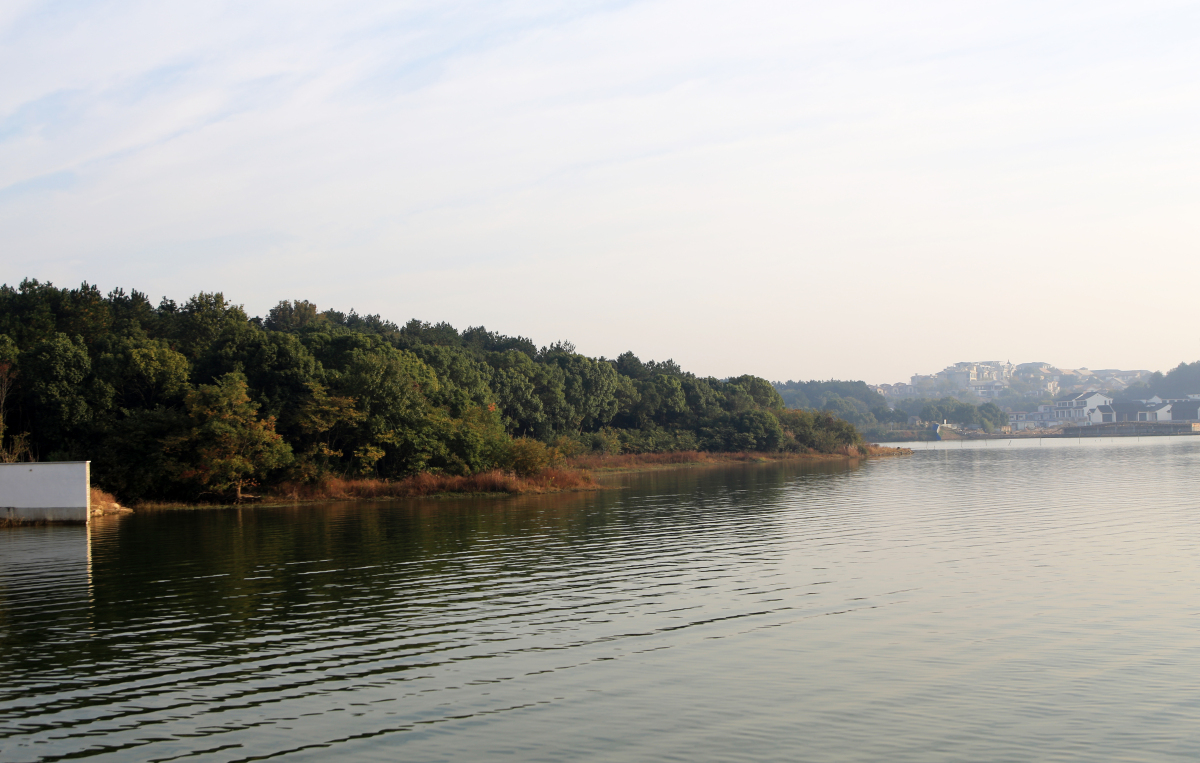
(179, 400)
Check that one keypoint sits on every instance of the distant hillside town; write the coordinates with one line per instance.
(995, 380)
(1041, 396)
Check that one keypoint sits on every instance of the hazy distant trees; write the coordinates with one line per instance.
(1181, 381)
(988, 416)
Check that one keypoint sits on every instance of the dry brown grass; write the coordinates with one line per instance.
(100, 498)
(882, 451)
(631, 461)
(575, 476)
(551, 480)
(638, 461)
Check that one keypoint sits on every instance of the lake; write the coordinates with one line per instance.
(989, 601)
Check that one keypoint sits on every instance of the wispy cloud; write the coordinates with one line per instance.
(591, 169)
(54, 181)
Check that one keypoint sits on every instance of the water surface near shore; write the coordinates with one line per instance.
(969, 602)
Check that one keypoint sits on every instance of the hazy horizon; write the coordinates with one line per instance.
(794, 190)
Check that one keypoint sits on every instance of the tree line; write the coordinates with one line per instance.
(1179, 382)
(194, 399)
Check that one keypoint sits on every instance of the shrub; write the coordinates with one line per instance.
(527, 456)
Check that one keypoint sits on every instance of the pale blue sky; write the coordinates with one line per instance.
(795, 189)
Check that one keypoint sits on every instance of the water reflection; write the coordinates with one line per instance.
(959, 604)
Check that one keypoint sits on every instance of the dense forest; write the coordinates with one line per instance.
(182, 401)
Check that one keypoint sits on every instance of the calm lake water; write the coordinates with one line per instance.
(969, 603)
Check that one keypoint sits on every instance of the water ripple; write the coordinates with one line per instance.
(987, 602)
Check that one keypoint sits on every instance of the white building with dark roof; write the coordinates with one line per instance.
(1077, 408)
(1118, 413)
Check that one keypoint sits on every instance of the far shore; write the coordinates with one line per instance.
(642, 462)
(576, 474)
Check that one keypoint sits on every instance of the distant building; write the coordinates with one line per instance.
(988, 389)
(987, 379)
(1116, 413)
(964, 375)
(1042, 418)
(1076, 408)
(1185, 410)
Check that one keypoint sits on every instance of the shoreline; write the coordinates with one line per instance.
(647, 462)
(577, 475)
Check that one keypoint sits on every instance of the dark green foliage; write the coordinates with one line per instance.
(204, 319)
(225, 446)
(142, 372)
(760, 391)
(277, 365)
(752, 429)
(480, 340)
(131, 460)
(62, 395)
(818, 430)
(292, 316)
(463, 378)
(177, 401)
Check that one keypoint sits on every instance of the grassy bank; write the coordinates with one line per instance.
(575, 475)
(901, 435)
(551, 480)
(424, 485)
(874, 450)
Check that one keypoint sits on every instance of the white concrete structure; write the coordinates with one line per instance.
(57, 491)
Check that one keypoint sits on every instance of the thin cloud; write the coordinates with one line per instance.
(793, 189)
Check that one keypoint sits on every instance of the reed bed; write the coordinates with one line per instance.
(634, 461)
(551, 480)
(574, 476)
(883, 451)
(99, 498)
(602, 462)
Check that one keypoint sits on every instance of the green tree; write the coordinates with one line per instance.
(325, 425)
(463, 381)
(512, 382)
(8, 378)
(65, 398)
(143, 372)
(278, 367)
(227, 446)
(203, 319)
(589, 389)
(293, 316)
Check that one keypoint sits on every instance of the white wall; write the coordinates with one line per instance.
(52, 491)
